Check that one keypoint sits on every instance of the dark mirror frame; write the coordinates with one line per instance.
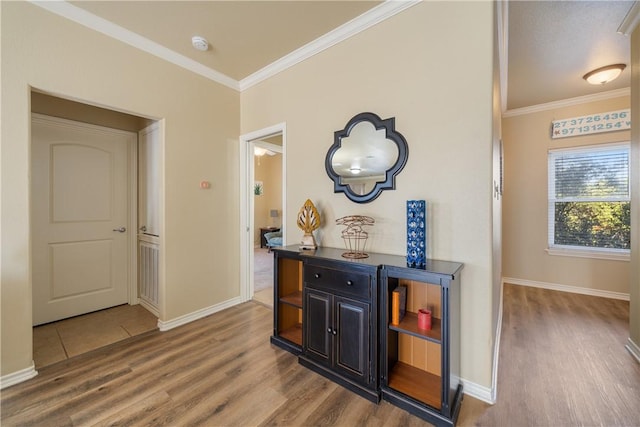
(390, 175)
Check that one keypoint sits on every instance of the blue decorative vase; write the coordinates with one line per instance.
(416, 233)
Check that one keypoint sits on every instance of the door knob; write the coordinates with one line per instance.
(120, 230)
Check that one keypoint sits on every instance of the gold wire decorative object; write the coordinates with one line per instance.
(308, 221)
(354, 236)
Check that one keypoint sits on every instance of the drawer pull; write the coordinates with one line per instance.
(317, 275)
(349, 283)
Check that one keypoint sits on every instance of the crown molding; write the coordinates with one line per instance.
(368, 19)
(567, 102)
(89, 20)
(631, 21)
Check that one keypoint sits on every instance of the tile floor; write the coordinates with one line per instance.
(61, 340)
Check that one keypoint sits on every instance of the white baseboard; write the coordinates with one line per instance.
(18, 377)
(486, 394)
(633, 349)
(149, 307)
(496, 349)
(567, 288)
(199, 314)
(478, 391)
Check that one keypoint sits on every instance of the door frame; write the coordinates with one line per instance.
(247, 175)
(132, 173)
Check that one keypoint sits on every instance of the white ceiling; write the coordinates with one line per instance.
(551, 44)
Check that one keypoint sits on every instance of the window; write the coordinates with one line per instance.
(589, 200)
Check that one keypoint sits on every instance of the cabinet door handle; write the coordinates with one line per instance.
(329, 330)
(317, 275)
(349, 283)
(334, 332)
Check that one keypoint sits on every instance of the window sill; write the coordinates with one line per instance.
(590, 253)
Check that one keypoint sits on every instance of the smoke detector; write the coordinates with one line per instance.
(200, 43)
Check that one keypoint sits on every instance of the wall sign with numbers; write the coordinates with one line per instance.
(593, 123)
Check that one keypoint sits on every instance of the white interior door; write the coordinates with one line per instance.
(149, 180)
(80, 210)
(149, 185)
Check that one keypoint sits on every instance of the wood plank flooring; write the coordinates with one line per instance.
(562, 362)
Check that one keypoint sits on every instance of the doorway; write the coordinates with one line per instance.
(72, 140)
(262, 208)
(267, 213)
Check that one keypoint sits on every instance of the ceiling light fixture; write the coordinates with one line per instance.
(200, 43)
(603, 75)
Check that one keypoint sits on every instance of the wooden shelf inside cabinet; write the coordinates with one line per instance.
(287, 298)
(409, 325)
(416, 383)
(421, 369)
(294, 299)
(293, 334)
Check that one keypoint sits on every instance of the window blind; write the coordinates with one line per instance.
(589, 197)
(597, 174)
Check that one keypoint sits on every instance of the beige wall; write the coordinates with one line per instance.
(268, 169)
(634, 312)
(201, 123)
(441, 96)
(526, 144)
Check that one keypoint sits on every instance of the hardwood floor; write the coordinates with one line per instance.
(562, 362)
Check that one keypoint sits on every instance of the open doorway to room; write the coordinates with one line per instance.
(262, 209)
(89, 182)
(267, 213)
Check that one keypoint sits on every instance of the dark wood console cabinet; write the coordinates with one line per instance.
(334, 313)
(340, 335)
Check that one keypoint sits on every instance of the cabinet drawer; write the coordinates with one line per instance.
(338, 281)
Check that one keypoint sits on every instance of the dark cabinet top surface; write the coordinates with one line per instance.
(445, 268)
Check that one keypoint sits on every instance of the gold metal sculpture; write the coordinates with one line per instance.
(308, 221)
(354, 236)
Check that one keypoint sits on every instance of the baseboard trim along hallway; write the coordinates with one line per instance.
(567, 288)
(18, 377)
(198, 314)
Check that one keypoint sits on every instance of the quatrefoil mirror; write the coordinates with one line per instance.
(365, 157)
